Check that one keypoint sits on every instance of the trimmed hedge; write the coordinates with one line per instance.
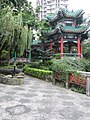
(40, 65)
(42, 74)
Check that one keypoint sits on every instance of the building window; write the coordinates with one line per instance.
(68, 24)
(48, 2)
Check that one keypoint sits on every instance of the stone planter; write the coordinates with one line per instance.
(9, 80)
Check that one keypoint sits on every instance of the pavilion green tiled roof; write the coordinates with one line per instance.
(89, 35)
(51, 16)
(73, 29)
(72, 13)
(68, 29)
(65, 13)
(36, 42)
(53, 31)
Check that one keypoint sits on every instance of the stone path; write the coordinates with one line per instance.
(40, 100)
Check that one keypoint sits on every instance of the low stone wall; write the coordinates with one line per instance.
(7, 71)
(9, 80)
(87, 75)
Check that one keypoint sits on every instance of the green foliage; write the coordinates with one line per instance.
(13, 34)
(78, 89)
(44, 25)
(22, 40)
(86, 63)
(42, 74)
(7, 66)
(67, 65)
(57, 56)
(6, 27)
(86, 50)
(15, 3)
(28, 15)
(17, 21)
(40, 65)
(48, 63)
(37, 65)
(64, 67)
(5, 54)
(34, 65)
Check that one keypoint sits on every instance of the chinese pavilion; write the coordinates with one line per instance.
(67, 32)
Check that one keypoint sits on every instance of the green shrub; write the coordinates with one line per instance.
(34, 65)
(78, 89)
(38, 65)
(86, 63)
(8, 66)
(87, 67)
(67, 65)
(48, 63)
(43, 67)
(42, 74)
(64, 67)
(86, 50)
(57, 56)
(5, 55)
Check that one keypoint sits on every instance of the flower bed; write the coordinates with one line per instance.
(77, 80)
(70, 79)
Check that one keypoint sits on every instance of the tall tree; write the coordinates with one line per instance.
(16, 30)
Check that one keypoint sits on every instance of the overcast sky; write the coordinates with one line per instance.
(75, 4)
(33, 2)
(80, 4)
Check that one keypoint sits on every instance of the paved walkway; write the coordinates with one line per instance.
(40, 100)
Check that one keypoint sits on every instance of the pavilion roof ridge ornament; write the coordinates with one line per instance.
(64, 13)
(54, 31)
(51, 17)
(72, 14)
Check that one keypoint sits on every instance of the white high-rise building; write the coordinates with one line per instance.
(50, 6)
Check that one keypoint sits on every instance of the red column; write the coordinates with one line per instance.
(61, 47)
(50, 45)
(78, 47)
(81, 49)
(69, 47)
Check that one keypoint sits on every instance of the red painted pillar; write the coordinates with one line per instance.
(69, 47)
(81, 49)
(78, 47)
(50, 45)
(61, 47)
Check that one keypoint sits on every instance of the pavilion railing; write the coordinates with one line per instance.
(71, 55)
